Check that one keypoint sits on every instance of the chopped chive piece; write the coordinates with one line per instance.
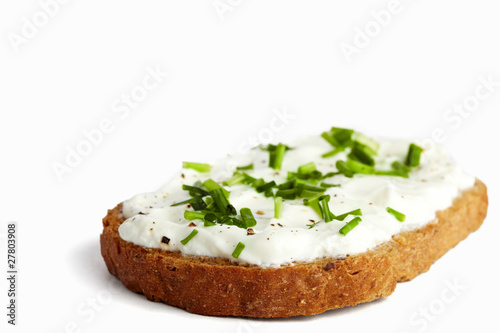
(266, 186)
(310, 200)
(197, 203)
(366, 141)
(276, 156)
(313, 202)
(362, 154)
(287, 185)
(248, 179)
(221, 202)
(344, 169)
(399, 216)
(218, 215)
(278, 207)
(334, 152)
(195, 191)
(185, 202)
(343, 216)
(235, 179)
(342, 135)
(189, 237)
(326, 185)
(210, 217)
(246, 167)
(231, 210)
(234, 221)
(305, 193)
(306, 168)
(358, 167)
(247, 217)
(300, 184)
(258, 182)
(331, 140)
(394, 173)
(210, 185)
(413, 157)
(190, 215)
(397, 165)
(270, 147)
(349, 226)
(312, 176)
(208, 223)
(289, 194)
(238, 249)
(329, 174)
(200, 167)
(209, 200)
(325, 209)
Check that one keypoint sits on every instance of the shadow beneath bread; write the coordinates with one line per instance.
(92, 272)
(89, 265)
(347, 311)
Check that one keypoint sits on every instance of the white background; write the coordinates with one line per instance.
(229, 69)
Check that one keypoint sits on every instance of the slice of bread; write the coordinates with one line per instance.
(217, 286)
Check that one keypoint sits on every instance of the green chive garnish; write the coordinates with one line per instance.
(276, 157)
(200, 167)
(238, 249)
(413, 157)
(344, 169)
(358, 167)
(349, 226)
(190, 215)
(210, 219)
(195, 191)
(212, 185)
(334, 152)
(266, 186)
(393, 173)
(189, 237)
(180, 203)
(247, 217)
(371, 144)
(287, 185)
(197, 203)
(221, 202)
(362, 154)
(313, 202)
(326, 185)
(399, 216)
(235, 179)
(246, 167)
(343, 216)
(325, 209)
(331, 140)
(397, 165)
(342, 135)
(288, 194)
(278, 207)
(306, 168)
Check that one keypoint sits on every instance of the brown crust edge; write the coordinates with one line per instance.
(216, 286)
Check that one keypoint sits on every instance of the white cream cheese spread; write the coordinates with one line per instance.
(296, 236)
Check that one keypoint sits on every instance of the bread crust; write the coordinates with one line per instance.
(217, 286)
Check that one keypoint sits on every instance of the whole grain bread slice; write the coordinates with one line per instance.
(217, 286)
